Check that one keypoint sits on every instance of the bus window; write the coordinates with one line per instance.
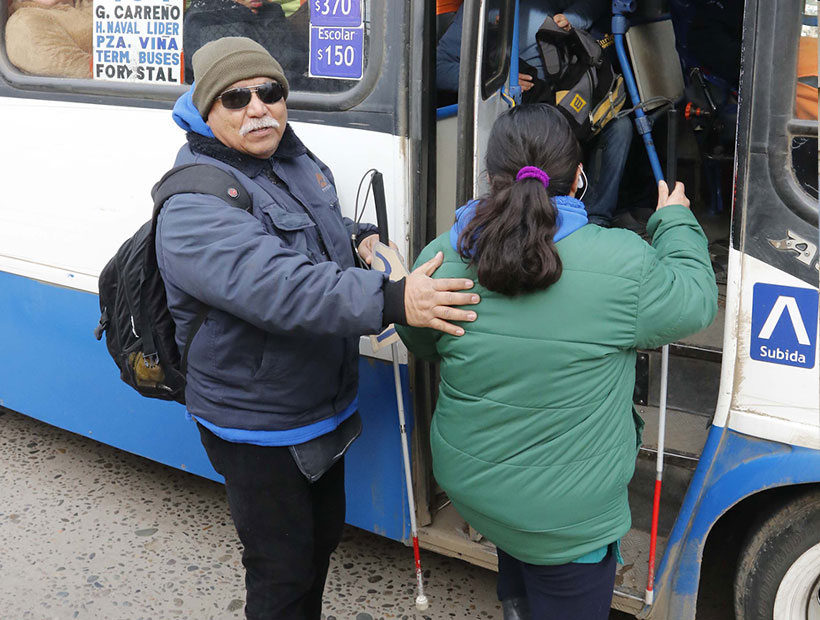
(498, 16)
(804, 148)
(130, 41)
(51, 37)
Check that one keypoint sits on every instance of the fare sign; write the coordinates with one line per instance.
(336, 13)
(336, 39)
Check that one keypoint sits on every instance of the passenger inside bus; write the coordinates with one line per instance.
(804, 150)
(445, 12)
(606, 153)
(280, 27)
(50, 37)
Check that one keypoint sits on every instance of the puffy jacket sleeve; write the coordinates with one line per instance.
(223, 257)
(422, 341)
(677, 295)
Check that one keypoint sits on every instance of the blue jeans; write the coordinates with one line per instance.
(606, 157)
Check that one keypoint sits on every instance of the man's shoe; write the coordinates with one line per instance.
(516, 609)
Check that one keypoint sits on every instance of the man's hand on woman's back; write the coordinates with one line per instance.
(428, 302)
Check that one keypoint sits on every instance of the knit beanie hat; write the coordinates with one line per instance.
(223, 62)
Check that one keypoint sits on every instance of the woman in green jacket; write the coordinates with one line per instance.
(534, 436)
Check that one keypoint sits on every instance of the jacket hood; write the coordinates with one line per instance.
(187, 116)
(572, 215)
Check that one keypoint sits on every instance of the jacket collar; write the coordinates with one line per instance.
(572, 215)
(290, 146)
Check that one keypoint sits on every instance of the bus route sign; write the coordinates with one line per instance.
(784, 325)
(138, 41)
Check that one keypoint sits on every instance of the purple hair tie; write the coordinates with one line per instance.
(531, 172)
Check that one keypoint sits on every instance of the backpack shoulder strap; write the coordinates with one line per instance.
(200, 179)
(196, 179)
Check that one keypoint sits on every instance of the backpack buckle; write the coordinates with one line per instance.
(102, 325)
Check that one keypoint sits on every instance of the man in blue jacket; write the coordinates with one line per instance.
(272, 373)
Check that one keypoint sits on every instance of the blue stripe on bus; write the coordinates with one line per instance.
(52, 369)
(732, 467)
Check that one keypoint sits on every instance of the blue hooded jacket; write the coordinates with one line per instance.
(279, 348)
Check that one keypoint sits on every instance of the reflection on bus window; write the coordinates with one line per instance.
(108, 40)
(285, 38)
(806, 87)
(804, 149)
(50, 37)
(804, 164)
(493, 57)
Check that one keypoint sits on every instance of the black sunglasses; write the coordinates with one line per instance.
(238, 98)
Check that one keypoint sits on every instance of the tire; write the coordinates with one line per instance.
(778, 572)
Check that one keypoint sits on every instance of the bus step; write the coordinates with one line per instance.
(694, 378)
(449, 535)
(630, 579)
(685, 434)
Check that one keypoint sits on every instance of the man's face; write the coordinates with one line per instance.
(255, 129)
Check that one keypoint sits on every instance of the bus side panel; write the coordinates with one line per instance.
(374, 470)
(52, 369)
(732, 467)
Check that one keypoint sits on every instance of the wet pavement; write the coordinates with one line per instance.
(90, 532)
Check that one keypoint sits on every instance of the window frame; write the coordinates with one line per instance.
(159, 94)
(783, 126)
(498, 78)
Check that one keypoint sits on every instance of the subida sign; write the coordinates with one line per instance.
(784, 325)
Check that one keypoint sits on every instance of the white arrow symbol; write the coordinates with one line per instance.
(790, 304)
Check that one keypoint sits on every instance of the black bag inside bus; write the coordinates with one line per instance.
(133, 308)
(580, 78)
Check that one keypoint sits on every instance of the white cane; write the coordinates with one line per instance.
(381, 218)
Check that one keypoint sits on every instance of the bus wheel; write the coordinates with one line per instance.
(778, 573)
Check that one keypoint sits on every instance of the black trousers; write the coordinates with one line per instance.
(288, 526)
(564, 592)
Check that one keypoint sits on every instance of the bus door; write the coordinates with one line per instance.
(485, 61)
(741, 537)
(464, 120)
(464, 116)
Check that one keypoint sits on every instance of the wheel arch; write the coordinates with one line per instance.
(737, 473)
(730, 532)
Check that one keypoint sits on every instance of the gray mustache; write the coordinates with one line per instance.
(258, 123)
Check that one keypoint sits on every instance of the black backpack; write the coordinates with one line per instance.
(580, 78)
(133, 307)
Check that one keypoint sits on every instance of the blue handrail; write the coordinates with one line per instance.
(513, 89)
(447, 111)
(620, 25)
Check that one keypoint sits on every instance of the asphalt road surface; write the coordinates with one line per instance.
(90, 532)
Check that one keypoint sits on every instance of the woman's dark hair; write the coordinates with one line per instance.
(510, 238)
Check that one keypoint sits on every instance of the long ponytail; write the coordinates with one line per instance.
(510, 238)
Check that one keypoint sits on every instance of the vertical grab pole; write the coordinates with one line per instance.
(671, 173)
(381, 219)
(620, 24)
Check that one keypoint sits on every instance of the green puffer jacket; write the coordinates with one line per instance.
(534, 434)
